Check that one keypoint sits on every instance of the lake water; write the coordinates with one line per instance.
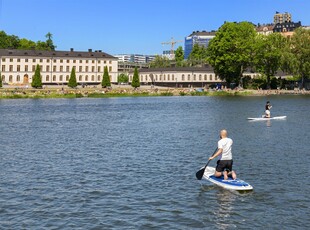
(130, 163)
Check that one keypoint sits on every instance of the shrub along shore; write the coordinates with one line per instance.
(116, 91)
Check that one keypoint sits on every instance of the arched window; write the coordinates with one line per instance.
(60, 78)
(172, 77)
(145, 77)
(168, 77)
(92, 78)
(194, 77)
(18, 78)
(164, 77)
(188, 77)
(210, 76)
(199, 77)
(156, 77)
(47, 78)
(3, 78)
(183, 77)
(205, 77)
(10, 78)
(141, 78)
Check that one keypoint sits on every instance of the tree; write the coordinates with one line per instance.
(268, 54)
(198, 55)
(122, 78)
(0, 81)
(297, 55)
(135, 80)
(106, 78)
(49, 41)
(160, 62)
(72, 80)
(231, 51)
(179, 55)
(25, 44)
(37, 81)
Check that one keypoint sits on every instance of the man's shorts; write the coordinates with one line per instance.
(223, 165)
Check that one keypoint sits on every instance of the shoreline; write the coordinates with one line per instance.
(128, 91)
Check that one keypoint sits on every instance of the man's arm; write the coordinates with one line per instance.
(219, 151)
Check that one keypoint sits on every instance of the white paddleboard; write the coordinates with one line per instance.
(237, 184)
(266, 119)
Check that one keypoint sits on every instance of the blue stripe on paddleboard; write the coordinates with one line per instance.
(229, 181)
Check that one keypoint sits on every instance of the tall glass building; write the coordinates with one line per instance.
(197, 37)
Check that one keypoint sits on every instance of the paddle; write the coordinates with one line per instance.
(200, 173)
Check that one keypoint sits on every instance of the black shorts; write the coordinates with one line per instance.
(223, 165)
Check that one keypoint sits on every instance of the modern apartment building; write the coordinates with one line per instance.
(282, 18)
(201, 38)
(18, 66)
(135, 58)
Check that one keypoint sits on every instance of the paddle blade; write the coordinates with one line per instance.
(200, 173)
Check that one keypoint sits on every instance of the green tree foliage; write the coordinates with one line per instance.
(122, 78)
(135, 80)
(160, 62)
(106, 78)
(198, 55)
(297, 56)
(49, 42)
(231, 51)
(179, 56)
(72, 80)
(37, 81)
(14, 42)
(0, 81)
(268, 54)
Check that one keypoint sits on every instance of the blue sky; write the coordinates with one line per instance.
(133, 26)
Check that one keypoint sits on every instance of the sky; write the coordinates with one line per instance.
(134, 26)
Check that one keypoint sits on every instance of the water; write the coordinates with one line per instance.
(130, 163)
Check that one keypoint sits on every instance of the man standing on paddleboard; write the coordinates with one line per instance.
(267, 109)
(225, 162)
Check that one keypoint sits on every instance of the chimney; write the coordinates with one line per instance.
(71, 49)
(90, 50)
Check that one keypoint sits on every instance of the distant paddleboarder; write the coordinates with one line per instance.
(225, 162)
(268, 106)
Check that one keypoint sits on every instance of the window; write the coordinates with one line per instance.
(33, 60)
(86, 78)
(48, 60)
(98, 68)
(54, 78)
(188, 77)
(86, 61)
(210, 76)
(3, 68)
(67, 69)
(141, 78)
(93, 78)
(93, 68)
(10, 78)
(54, 68)
(146, 78)
(110, 62)
(80, 78)
(61, 61)
(86, 69)
(41, 67)
(80, 68)
(18, 59)
(11, 68)
(67, 78)
(110, 68)
(26, 60)
(74, 61)
(160, 77)
(105, 62)
(183, 77)
(47, 78)
(80, 61)
(99, 79)
(99, 61)
(194, 77)
(54, 60)
(199, 77)
(41, 60)
(68, 61)
(205, 77)
(60, 78)
(164, 77)
(61, 68)
(172, 77)
(3, 59)
(47, 68)
(93, 61)
(18, 78)
(168, 77)
(18, 68)
(11, 59)
(74, 67)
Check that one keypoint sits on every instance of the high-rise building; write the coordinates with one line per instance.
(201, 38)
(282, 18)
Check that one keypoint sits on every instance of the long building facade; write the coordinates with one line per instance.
(181, 77)
(18, 66)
